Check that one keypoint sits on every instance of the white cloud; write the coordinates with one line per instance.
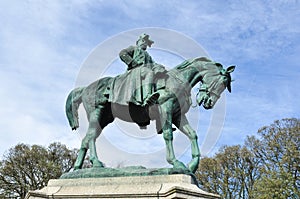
(43, 44)
(239, 29)
(35, 74)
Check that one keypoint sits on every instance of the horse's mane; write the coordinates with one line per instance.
(211, 67)
(188, 62)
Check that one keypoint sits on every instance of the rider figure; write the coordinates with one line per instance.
(137, 58)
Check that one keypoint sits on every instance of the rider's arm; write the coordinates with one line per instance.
(126, 55)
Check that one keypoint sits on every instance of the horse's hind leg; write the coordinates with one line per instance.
(89, 140)
(80, 158)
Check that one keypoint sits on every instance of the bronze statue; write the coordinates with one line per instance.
(140, 76)
(168, 106)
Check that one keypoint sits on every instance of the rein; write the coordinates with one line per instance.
(173, 74)
(203, 88)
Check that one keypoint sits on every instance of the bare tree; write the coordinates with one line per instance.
(27, 167)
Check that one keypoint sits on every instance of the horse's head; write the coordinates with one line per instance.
(215, 80)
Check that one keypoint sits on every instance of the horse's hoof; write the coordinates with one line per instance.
(179, 165)
(98, 164)
(193, 165)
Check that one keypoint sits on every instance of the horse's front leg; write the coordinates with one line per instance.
(184, 126)
(166, 119)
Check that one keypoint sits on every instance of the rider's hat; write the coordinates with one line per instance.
(145, 37)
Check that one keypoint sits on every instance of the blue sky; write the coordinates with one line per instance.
(45, 43)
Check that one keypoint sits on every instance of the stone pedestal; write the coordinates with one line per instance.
(160, 186)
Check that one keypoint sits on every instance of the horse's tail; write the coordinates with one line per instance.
(72, 104)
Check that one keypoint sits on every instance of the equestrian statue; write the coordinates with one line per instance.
(145, 92)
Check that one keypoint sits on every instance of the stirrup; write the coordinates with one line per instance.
(152, 99)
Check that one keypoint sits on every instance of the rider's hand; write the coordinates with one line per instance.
(133, 64)
(160, 71)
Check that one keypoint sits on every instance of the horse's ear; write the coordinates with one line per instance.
(230, 69)
(229, 87)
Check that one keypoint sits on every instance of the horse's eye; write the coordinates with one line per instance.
(225, 80)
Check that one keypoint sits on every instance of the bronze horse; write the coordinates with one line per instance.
(171, 107)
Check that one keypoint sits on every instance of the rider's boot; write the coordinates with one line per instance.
(152, 97)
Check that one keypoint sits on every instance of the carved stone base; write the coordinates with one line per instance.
(160, 186)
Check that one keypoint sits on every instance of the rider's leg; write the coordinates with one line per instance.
(149, 96)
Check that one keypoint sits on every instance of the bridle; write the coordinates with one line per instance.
(207, 92)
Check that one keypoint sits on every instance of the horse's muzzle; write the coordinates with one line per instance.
(208, 104)
(204, 100)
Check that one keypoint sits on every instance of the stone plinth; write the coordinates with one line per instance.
(160, 186)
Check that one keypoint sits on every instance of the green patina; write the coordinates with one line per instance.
(149, 93)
